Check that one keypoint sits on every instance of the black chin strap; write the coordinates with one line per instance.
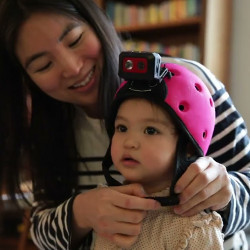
(106, 164)
(182, 160)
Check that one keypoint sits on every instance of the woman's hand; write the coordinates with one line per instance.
(205, 184)
(114, 213)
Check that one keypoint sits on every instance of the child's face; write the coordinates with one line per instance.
(144, 144)
(63, 57)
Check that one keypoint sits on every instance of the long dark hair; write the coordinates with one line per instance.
(44, 145)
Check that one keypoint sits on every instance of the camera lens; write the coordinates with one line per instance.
(141, 65)
(129, 64)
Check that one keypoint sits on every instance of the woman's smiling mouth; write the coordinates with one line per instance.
(85, 81)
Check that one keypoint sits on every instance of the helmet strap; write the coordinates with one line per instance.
(106, 164)
(182, 160)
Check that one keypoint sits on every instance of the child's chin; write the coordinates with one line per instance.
(131, 181)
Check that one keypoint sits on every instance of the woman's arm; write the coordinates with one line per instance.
(115, 213)
(51, 227)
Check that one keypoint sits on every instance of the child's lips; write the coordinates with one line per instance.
(129, 161)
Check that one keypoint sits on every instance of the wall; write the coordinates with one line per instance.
(218, 29)
(240, 55)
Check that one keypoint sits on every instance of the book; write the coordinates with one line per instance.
(188, 50)
(153, 13)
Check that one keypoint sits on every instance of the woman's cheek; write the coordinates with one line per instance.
(46, 84)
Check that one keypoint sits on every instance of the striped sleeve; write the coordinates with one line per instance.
(230, 146)
(50, 228)
(240, 205)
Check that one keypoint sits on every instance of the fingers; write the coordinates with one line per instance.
(131, 189)
(202, 200)
(135, 203)
(226, 193)
(215, 202)
(120, 218)
(205, 184)
(128, 198)
(119, 211)
(125, 227)
(191, 173)
(128, 212)
(122, 241)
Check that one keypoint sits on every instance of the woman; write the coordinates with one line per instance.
(64, 55)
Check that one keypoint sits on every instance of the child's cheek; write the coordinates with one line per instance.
(115, 150)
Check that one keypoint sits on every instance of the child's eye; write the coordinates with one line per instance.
(151, 131)
(121, 128)
(76, 41)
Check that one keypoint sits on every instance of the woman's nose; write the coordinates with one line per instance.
(71, 65)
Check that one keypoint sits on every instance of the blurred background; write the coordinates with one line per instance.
(214, 32)
(240, 54)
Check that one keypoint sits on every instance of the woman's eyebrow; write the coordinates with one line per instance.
(32, 58)
(67, 29)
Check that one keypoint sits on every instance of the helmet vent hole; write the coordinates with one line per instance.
(198, 87)
(211, 102)
(183, 106)
(204, 135)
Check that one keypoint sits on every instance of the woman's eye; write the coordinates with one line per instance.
(121, 128)
(76, 41)
(44, 67)
(151, 131)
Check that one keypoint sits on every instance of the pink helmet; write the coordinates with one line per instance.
(188, 101)
(192, 103)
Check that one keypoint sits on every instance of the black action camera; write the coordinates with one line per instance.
(140, 66)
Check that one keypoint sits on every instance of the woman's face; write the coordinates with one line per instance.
(63, 57)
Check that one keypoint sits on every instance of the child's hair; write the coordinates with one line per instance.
(188, 101)
(47, 140)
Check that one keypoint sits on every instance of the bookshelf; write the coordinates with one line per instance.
(202, 34)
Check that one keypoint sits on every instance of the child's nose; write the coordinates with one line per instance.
(132, 142)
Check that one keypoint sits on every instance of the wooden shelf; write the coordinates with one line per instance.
(210, 32)
(191, 21)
